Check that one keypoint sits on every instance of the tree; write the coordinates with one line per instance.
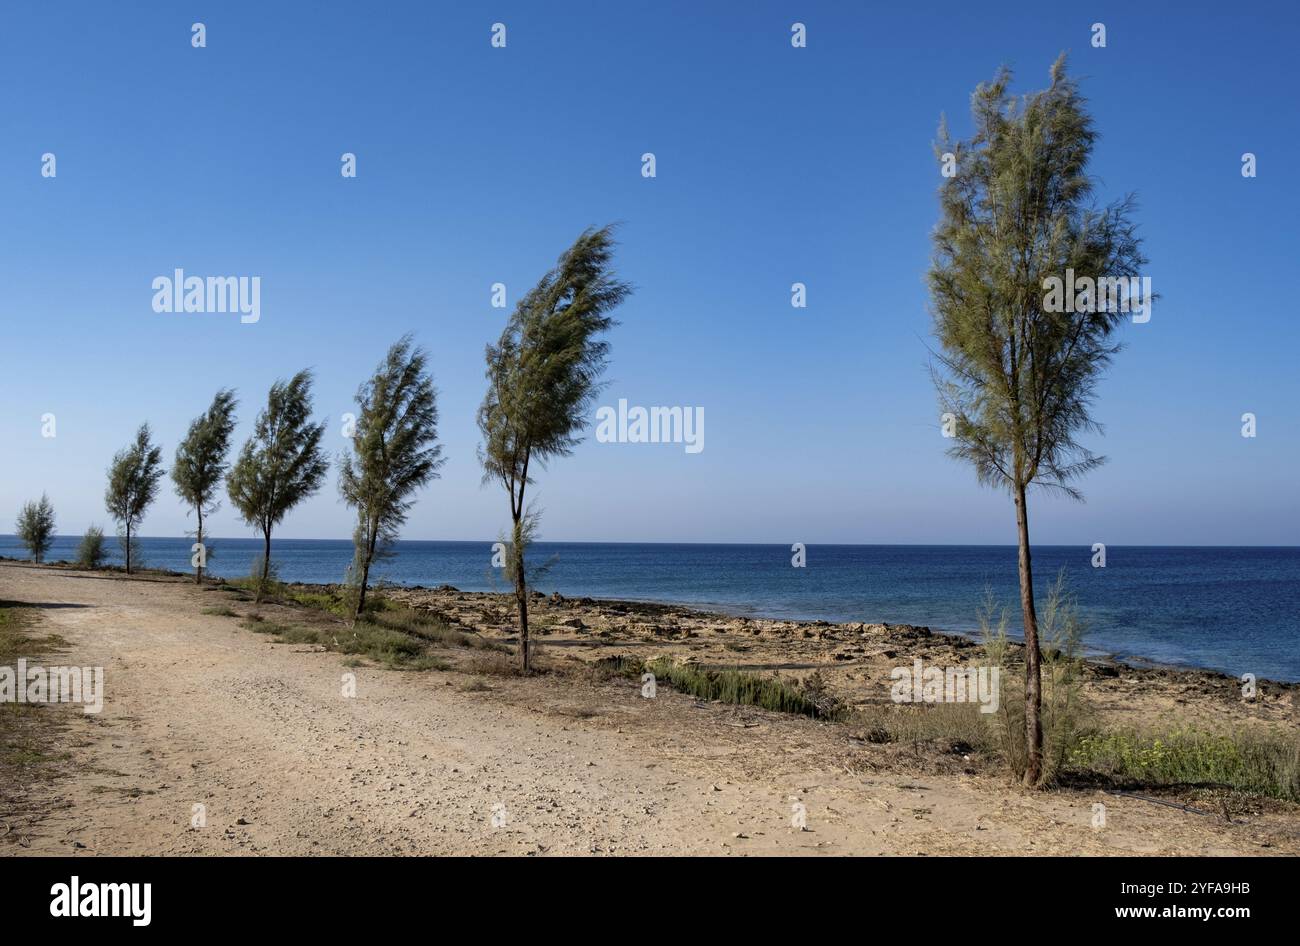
(542, 379)
(200, 463)
(35, 526)
(281, 464)
(1016, 375)
(394, 453)
(132, 485)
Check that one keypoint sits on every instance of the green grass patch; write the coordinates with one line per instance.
(221, 612)
(737, 687)
(1261, 763)
(390, 632)
(25, 728)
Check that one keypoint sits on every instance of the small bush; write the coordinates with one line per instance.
(1063, 714)
(91, 553)
(259, 588)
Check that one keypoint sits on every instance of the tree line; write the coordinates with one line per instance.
(543, 375)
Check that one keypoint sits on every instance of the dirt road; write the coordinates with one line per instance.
(201, 712)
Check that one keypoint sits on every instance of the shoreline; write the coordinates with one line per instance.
(1092, 656)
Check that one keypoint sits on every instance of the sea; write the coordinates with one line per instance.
(1235, 610)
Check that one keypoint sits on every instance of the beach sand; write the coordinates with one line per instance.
(201, 711)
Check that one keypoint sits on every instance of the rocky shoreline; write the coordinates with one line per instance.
(854, 660)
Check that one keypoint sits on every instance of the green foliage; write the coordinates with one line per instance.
(281, 464)
(1064, 712)
(200, 461)
(132, 485)
(35, 526)
(91, 552)
(1019, 379)
(394, 453)
(543, 372)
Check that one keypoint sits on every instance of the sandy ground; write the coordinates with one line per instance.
(200, 711)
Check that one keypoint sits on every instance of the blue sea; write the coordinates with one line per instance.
(1236, 610)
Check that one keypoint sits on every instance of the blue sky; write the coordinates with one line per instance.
(774, 165)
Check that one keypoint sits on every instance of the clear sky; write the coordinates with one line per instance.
(479, 165)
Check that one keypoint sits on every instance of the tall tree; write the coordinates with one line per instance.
(281, 464)
(1017, 376)
(543, 375)
(132, 485)
(394, 453)
(35, 526)
(201, 464)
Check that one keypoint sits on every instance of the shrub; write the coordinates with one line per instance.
(91, 552)
(1064, 712)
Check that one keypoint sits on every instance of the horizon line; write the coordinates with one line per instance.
(1006, 545)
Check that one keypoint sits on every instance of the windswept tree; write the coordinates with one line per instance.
(200, 464)
(35, 526)
(394, 453)
(281, 464)
(543, 375)
(132, 485)
(1016, 374)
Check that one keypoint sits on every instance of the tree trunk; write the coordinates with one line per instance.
(266, 566)
(1033, 669)
(367, 556)
(198, 570)
(521, 596)
(128, 547)
(361, 596)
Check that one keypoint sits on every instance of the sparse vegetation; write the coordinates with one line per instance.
(393, 634)
(1065, 715)
(736, 686)
(25, 745)
(1259, 763)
